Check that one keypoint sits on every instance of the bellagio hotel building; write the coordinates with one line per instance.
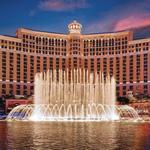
(117, 54)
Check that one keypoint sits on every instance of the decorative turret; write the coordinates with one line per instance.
(75, 27)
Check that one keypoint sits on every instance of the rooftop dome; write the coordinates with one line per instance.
(75, 27)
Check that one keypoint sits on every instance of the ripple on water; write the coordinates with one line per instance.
(75, 135)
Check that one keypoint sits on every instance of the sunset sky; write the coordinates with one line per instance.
(96, 16)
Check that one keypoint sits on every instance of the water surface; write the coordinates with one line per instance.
(74, 136)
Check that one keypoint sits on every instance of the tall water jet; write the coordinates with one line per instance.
(72, 95)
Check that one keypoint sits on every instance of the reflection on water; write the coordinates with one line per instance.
(74, 136)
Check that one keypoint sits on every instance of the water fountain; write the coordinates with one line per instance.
(73, 95)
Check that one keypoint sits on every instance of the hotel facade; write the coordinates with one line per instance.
(116, 54)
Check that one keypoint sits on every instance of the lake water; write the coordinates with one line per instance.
(74, 136)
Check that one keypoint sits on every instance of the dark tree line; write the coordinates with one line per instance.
(123, 100)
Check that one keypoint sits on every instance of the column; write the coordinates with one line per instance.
(108, 66)
(134, 74)
(120, 77)
(95, 65)
(54, 62)
(47, 63)
(141, 73)
(28, 74)
(7, 71)
(22, 74)
(127, 73)
(41, 63)
(89, 66)
(35, 64)
(82, 53)
(114, 67)
(15, 73)
(101, 65)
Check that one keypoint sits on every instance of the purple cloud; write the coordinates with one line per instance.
(123, 18)
(62, 5)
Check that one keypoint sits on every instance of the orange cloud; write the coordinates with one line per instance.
(62, 5)
(134, 21)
